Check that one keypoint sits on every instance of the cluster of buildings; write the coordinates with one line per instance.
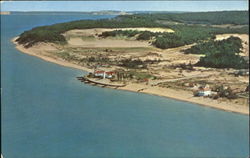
(104, 74)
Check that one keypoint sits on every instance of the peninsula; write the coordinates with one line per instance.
(200, 57)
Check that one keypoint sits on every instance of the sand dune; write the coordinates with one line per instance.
(106, 43)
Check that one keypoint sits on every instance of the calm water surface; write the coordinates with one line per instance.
(47, 113)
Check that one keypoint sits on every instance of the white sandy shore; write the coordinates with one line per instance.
(49, 59)
(154, 90)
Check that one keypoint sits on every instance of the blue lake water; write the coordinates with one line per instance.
(48, 113)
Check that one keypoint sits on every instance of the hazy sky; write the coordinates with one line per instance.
(124, 5)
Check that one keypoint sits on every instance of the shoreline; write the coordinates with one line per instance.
(48, 59)
(243, 112)
(179, 95)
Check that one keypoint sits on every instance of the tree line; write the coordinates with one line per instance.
(211, 18)
(220, 54)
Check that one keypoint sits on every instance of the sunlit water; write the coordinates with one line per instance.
(48, 113)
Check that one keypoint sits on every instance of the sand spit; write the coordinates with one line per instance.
(182, 95)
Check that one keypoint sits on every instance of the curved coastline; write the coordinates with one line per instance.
(158, 91)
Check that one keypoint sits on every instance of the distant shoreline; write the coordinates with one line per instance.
(180, 95)
(69, 12)
(5, 13)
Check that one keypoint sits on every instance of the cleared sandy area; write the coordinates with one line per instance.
(89, 38)
(176, 56)
(110, 43)
(244, 37)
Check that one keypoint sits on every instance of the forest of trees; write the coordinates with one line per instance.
(133, 64)
(128, 33)
(145, 35)
(168, 40)
(218, 18)
(190, 34)
(220, 54)
(142, 35)
(184, 34)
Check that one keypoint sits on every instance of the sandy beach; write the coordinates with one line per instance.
(187, 96)
(46, 58)
(141, 87)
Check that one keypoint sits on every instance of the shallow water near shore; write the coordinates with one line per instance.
(47, 112)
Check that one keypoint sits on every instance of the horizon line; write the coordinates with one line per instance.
(125, 11)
